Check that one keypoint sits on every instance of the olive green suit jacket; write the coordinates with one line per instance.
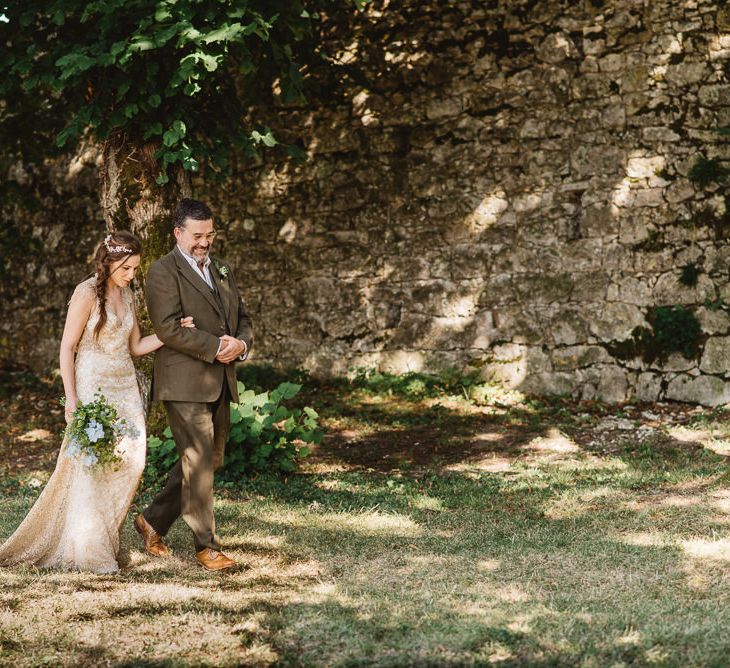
(185, 367)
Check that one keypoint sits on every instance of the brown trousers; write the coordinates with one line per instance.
(200, 431)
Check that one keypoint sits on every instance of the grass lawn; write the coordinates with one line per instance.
(426, 531)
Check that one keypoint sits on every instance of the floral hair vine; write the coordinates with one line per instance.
(115, 249)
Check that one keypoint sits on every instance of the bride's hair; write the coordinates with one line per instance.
(116, 246)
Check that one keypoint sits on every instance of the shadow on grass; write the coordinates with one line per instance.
(482, 576)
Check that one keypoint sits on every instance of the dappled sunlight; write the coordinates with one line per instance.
(719, 446)
(487, 213)
(35, 435)
(554, 442)
(643, 538)
(425, 502)
(687, 435)
(267, 542)
(143, 563)
(490, 463)
(676, 501)
(371, 523)
(713, 550)
(488, 565)
(720, 500)
(512, 594)
(570, 504)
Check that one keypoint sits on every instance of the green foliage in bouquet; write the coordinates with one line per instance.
(266, 436)
(94, 432)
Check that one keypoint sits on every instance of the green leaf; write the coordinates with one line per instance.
(154, 100)
(280, 413)
(74, 63)
(225, 33)
(192, 88)
(162, 14)
(170, 138)
(288, 390)
(260, 400)
(141, 43)
(153, 130)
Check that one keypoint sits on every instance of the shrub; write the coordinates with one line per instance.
(676, 329)
(413, 385)
(265, 435)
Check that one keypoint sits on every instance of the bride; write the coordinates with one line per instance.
(75, 523)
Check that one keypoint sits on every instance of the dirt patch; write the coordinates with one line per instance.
(390, 433)
(31, 423)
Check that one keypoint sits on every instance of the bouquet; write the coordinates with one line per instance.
(95, 431)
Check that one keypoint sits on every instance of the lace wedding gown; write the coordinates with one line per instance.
(75, 523)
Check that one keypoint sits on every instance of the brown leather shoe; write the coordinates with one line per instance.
(213, 560)
(152, 540)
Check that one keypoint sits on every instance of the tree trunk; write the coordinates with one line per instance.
(131, 199)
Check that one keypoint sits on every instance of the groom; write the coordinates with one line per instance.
(194, 375)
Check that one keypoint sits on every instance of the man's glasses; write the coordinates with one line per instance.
(208, 237)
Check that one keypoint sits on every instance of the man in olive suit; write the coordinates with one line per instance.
(194, 375)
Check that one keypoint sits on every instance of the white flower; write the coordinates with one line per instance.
(124, 428)
(90, 459)
(94, 431)
(72, 449)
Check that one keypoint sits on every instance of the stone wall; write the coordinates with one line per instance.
(499, 185)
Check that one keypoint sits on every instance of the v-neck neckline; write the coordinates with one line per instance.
(114, 313)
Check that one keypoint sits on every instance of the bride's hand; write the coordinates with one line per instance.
(187, 321)
(68, 409)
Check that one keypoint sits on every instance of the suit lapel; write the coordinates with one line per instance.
(196, 281)
(224, 289)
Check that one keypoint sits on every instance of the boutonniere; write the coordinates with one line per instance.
(222, 269)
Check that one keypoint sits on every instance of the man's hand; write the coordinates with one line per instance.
(231, 348)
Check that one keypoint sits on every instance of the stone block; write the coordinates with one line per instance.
(648, 387)
(716, 356)
(713, 321)
(613, 384)
(556, 48)
(668, 290)
(686, 74)
(705, 390)
(570, 358)
(714, 96)
(617, 321)
(549, 382)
